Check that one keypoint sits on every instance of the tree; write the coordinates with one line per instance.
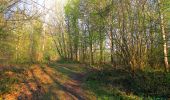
(163, 31)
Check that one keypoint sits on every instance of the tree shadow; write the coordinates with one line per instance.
(9, 75)
(35, 89)
(70, 73)
(36, 94)
(64, 87)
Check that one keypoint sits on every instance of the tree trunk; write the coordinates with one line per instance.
(101, 47)
(111, 45)
(164, 44)
(165, 47)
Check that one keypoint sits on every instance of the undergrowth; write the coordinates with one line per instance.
(118, 83)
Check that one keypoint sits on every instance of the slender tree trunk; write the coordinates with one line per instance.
(165, 47)
(91, 54)
(70, 42)
(101, 47)
(111, 45)
(32, 43)
(41, 54)
(164, 44)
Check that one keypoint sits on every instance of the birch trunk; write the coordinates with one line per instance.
(165, 47)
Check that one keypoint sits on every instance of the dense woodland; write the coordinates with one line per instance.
(130, 33)
(121, 46)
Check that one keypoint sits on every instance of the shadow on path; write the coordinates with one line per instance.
(68, 88)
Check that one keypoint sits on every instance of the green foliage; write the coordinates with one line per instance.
(94, 30)
(7, 48)
(104, 91)
(65, 61)
(9, 77)
(119, 83)
(155, 84)
(6, 82)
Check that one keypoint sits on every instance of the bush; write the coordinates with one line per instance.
(144, 84)
(151, 84)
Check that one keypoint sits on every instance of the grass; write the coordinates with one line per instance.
(9, 76)
(103, 84)
(154, 84)
(114, 84)
(7, 80)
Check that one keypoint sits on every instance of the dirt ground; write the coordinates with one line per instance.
(46, 82)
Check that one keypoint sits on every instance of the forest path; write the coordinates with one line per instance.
(48, 82)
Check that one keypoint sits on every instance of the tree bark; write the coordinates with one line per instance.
(165, 47)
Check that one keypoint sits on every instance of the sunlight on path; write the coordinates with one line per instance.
(49, 82)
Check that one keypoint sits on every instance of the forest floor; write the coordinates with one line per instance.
(57, 81)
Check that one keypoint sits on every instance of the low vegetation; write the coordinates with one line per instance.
(84, 49)
(119, 83)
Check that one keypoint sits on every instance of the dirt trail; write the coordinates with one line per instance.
(50, 82)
